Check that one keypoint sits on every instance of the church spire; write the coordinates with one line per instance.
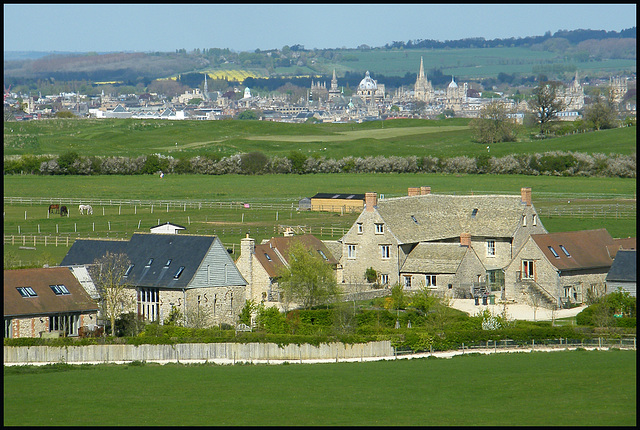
(421, 72)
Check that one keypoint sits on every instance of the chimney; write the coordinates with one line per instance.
(245, 261)
(425, 190)
(370, 200)
(465, 239)
(525, 194)
(414, 191)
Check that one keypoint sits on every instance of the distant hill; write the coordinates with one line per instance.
(563, 52)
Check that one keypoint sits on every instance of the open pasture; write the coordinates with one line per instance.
(132, 138)
(541, 389)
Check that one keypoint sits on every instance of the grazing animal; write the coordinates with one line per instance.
(64, 211)
(87, 208)
(54, 208)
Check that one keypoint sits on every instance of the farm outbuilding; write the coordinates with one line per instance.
(342, 203)
(167, 228)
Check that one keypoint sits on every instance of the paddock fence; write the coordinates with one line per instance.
(616, 211)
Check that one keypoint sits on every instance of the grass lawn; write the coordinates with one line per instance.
(542, 389)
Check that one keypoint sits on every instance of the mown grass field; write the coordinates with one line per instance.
(131, 138)
(232, 224)
(567, 388)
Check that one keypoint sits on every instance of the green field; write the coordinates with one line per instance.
(132, 138)
(576, 388)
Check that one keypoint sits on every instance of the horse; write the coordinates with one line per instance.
(88, 208)
(54, 208)
(64, 211)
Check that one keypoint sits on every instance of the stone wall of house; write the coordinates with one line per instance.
(470, 270)
(38, 326)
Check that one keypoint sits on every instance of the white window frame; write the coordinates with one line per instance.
(384, 279)
(406, 282)
(379, 228)
(534, 219)
(351, 251)
(149, 303)
(524, 220)
(430, 281)
(491, 248)
(65, 323)
(385, 252)
(528, 271)
(360, 228)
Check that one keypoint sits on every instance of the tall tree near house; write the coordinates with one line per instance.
(307, 280)
(493, 124)
(602, 114)
(545, 102)
(107, 274)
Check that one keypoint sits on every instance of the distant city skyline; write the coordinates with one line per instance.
(247, 27)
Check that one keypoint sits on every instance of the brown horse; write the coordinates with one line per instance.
(54, 209)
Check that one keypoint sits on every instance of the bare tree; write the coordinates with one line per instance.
(108, 275)
(546, 102)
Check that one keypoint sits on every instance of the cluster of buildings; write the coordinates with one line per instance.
(460, 246)
(324, 103)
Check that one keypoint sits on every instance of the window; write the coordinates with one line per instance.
(359, 228)
(179, 272)
(8, 331)
(553, 251)
(149, 262)
(379, 228)
(527, 269)
(26, 292)
(570, 293)
(431, 281)
(384, 250)
(267, 256)
(491, 248)
(65, 323)
(565, 251)
(534, 219)
(413, 218)
(384, 279)
(168, 263)
(129, 269)
(524, 220)
(407, 281)
(351, 251)
(474, 213)
(322, 255)
(148, 303)
(59, 290)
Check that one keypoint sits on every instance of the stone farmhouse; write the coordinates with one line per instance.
(193, 274)
(451, 243)
(46, 302)
(561, 268)
(260, 264)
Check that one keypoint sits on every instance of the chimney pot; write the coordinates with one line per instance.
(525, 193)
(425, 190)
(414, 191)
(465, 239)
(370, 200)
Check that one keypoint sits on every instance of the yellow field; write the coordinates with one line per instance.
(230, 75)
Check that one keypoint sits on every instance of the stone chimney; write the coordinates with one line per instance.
(414, 191)
(525, 193)
(370, 200)
(425, 190)
(245, 261)
(465, 239)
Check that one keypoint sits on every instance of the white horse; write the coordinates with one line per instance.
(87, 208)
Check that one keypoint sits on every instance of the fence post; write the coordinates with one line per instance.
(102, 210)
(38, 228)
(75, 227)
(45, 241)
(67, 240)
(151, 208)
(109, 225)
(94, 226)
(25, 215)
(139, 221)
(119, 210)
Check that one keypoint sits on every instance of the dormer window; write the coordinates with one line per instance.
(534, 219)
(129, 269)
(565, 251)
(524, 220)
(149, 262)
(26, 292)
(553, 251)
(179, 272)
(59, 290)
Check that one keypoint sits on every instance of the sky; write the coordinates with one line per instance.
(247, 27)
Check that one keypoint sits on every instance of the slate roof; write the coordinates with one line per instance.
(183, 250)
(440, 216)
(623, 268)
(339, 196)
(86, 251)
(587, 248)
(434, 258)
(274, 254)
(46, 301)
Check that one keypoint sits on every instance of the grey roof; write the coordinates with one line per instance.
(446, 216)
(334, 247)
(623, 267)
(434, 258)
(183, 250)
(86, 251)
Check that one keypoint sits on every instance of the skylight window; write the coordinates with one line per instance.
(474, 212)
(149, 262)
(553, 251)
(129, 269)
(179, 272)
(59, 290)
(414, 219)
(322, 254)
(167, 263)
(26, 292)
(267, 256)
(565, 251)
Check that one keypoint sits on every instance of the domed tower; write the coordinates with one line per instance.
(369, 90)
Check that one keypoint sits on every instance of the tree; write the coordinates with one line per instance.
(602, 114)
(247, 114)
(307, 280)
(546, 102)
(493, 124)
(108, 275)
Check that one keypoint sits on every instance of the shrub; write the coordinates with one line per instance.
(253, 163)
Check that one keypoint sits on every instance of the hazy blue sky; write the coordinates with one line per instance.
(245, 27)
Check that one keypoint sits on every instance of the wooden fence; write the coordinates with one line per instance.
(616, 211)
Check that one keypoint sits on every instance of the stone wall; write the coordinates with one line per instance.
(192, 351)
